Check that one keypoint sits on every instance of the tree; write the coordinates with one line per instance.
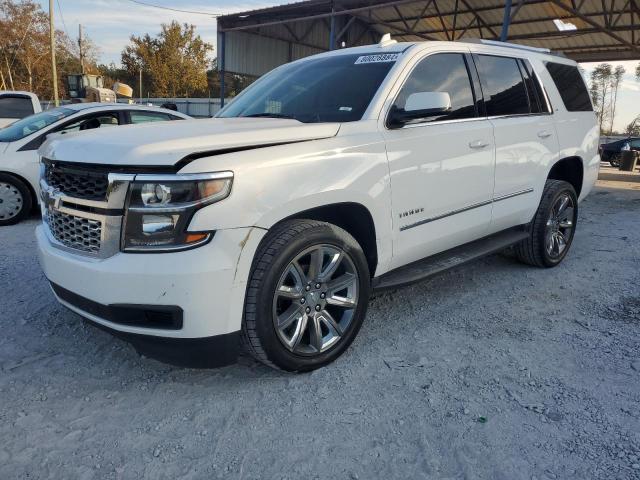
(616, 78)
(25, 56)
(633, 129)
(600, 89)
(173, 64)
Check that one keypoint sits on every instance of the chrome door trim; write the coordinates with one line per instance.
(465, 209)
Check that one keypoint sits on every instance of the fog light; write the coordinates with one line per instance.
(155, 224)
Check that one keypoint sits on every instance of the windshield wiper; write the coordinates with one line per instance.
(269, 115)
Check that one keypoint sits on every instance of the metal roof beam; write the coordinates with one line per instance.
(603, 56)
(527, 21)
(345, 28)
(376, 21)
(424, 10)
(594, 24)
(481, 20)
(313, 17)
(553, 33)
(444, 28)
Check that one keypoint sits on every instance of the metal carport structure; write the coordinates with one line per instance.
(253, 42)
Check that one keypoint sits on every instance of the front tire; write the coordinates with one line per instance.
(553, 226)
(614, 160)
(307, 295)
(15, 200)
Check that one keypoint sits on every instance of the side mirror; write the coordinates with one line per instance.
(420, 105)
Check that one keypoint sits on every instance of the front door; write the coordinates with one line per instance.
(441, 166)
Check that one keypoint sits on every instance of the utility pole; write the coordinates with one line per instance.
(52, 38)
(140, 84)
(80, 48)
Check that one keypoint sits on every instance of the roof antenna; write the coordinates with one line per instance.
(386, 40)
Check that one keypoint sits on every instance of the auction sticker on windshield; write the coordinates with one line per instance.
(379, 58)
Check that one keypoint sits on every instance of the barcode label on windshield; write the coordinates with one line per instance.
(381, 58)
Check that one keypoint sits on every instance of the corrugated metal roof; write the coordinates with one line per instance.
(605, 29)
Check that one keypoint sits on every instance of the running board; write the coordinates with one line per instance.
(455, 257)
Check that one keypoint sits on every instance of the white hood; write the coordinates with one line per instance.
(166, 143)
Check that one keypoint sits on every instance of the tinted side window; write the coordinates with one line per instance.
(442, 72)
(534, 103)
(571, 87)
(89, 122)
(144, 117)
(502, 85)
(537, 87)
(15, 107)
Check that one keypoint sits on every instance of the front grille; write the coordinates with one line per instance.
(75, 232)
(77, 182)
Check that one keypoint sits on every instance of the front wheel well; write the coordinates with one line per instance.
(570, 170)
(355, 218)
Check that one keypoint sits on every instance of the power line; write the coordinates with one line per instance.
(211, 14)
(62, 18)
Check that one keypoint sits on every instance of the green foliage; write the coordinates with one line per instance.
(25, 57)
(173, 64)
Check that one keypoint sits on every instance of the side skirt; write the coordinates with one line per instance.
(427, 267)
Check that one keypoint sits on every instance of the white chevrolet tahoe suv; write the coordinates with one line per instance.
(353, 170)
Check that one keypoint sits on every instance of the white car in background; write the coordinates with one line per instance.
(19, 143)
(15, 105)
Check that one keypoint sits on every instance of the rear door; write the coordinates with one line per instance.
(524, 134)
(442, 166)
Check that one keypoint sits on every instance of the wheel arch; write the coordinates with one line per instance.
(353, 217)
(569, 169)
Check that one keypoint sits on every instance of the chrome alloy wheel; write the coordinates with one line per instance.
(11, 201)
(315, 299)
(560, 225)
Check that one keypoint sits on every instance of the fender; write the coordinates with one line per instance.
(275, 183)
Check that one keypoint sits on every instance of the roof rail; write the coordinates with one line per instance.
(496, 43)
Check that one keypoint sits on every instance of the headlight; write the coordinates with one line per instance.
(160, 207)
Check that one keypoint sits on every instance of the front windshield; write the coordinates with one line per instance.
(33, 123)
(336, 88)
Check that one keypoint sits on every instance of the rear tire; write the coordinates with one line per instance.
(307, 295)
(553, 226)
(15, 200)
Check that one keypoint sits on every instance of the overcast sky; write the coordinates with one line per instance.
(110, 23)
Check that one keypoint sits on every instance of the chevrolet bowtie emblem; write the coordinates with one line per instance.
(52, 197)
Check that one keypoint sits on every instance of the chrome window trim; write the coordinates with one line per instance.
(440, 122)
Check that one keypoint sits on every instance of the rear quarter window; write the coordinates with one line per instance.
(571, 87)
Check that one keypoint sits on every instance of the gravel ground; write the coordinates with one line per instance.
(492, 371)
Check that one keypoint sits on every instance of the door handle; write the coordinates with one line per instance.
(478, 144)
(544, 134)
